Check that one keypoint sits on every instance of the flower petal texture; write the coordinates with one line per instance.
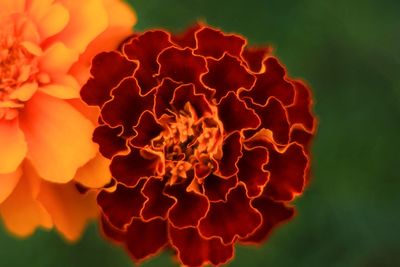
(208, 140)
(49, 165)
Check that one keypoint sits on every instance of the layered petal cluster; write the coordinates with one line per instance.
(208, 141)
(47, 156)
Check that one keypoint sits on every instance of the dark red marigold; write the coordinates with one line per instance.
(208, 141)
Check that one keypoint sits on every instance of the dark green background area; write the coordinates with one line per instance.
(349, 51)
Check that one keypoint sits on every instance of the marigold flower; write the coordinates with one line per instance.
(46, 152)
(208, 140)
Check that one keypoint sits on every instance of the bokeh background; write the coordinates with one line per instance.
(349, 51)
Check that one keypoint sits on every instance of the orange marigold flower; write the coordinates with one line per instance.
(46, 152)
(208, 140)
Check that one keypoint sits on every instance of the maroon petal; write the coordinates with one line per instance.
(251, 170)
(300, 111)
(129, 169)
(287, 170)
(271, 83)
(231, 152)
(163, 96)
(216, 188)
(120, 206)
(231, 219)
(227, 74)
(145, 49)
(274, 118)
(145, 239)
(110, 140)
(194, 250)
(110, 232)
(187, 39)
(273, 213)
(126, 106)
(97, 89)
(185, 93)
(214, 43)
(189, 208)
(301, 136)
(157, 204)
(235, 115)
(254, 57)
(146, 129)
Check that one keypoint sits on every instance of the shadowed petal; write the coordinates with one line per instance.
(158, 203)
(185, 93)
(231, 152)
(300, 111)
(216, 188)
(163, 96)
(194, 250)
(13, 145)
(254, 57)
(109, 140)
(146, 129)
(187, 38)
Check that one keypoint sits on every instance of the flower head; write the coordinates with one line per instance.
(46, 150)
(208, 141)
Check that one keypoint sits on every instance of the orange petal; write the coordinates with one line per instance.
(13, 145)
(95, 173)
(54, 20)
(69, 209)
(58, 136)
(57, 59)
(8, 181)
(21, 212)
(9, 7)
(24, 92)
(92, 14)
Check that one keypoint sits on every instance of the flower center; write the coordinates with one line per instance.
(190, 145)
(18, 67)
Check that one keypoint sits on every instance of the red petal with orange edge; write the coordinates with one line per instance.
(122, 205)
(146, 129)
(300, 111)
(216, 188)
(194, 250)
(227, 74)
(185, 93)
(97, 89)
(126, 106)
(145, 48)
(286, 173)
(129, 169)
(235, 115)
(164, 94)
(111, 232)
(251, 170)
(109, 140)
(254, 57)
(271, 83)
(214, 43)
(273, 117)
(189, 208)
(302, 137)
(235, 218)
(187, 39)
(274, 214)
(144, 239)
(157, 204)
(231, 151)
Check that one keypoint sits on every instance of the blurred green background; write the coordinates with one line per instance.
(349, 51)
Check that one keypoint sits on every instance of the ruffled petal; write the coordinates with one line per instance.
(189, 208)
(53, 21)
(227, 74)
(214, 43)
(13, 145)
(145, 49)
(273, 213)
(145, 239)
(300, 111)
(254, 57)
(184, 94)
(231, 152)
(272, 82)
(287, 169)
(147, 129)
(235, 115)
(57, 59)
(95, 173)
(110, 140)
(157, 204)
(97, 89)
(126, 106)
(163, 96)
(231, 219)
(129, 169)
(216, 188)
(120, 206)
(195, 250)
(49, 125)
(187, 38)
